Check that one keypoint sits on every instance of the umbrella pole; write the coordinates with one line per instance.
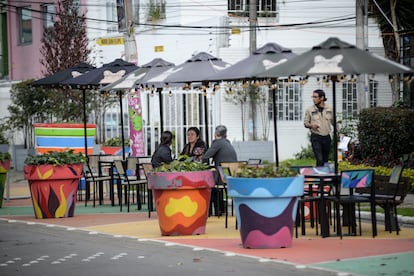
(275, 126)
(206, 119)
(85, 133)
(122, 125)
(335, 135)
(159, 90)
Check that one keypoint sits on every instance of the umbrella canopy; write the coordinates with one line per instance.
(264, 58)
(335, 57)
(104, 75)
(141, 76)
(56, 79)
(197, 68)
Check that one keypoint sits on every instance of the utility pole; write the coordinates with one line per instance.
(129, 35)
(253, 25)
(362, 43)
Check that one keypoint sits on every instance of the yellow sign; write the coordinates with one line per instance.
(159, 48)
(110, 41)
(235, 31)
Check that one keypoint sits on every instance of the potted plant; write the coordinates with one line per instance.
(265, 198)
(53, 181)
(182, 191)
(5, 159)
(113, 146)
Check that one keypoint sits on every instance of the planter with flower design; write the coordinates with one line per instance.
(182, 198)
(5, 159)
(53, 181)
(266, 207)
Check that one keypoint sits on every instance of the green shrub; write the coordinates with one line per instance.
(385, 135)
(116, 142)
(56, 158)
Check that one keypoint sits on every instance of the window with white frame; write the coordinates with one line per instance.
(373, 92)
(288, 101)
(111, 17)
(48, 15)
(25, 25)
(265, 8)
(349, 100)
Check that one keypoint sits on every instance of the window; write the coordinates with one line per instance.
(373, 89)
(265, 8)
(48, 14)
(111, 17)
(289, 101)
(349, 100)
(25, 25)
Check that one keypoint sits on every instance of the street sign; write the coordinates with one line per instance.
(110, 41)
(159, 48)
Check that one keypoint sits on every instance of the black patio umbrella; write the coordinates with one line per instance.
(141, 76)
(195, 69)
(55, 80)
(334, 57)
(264, 58)
(99, 77)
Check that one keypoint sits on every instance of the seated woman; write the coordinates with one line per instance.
(163, 152)
(195, 147)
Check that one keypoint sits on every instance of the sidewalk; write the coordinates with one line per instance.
(387, 254)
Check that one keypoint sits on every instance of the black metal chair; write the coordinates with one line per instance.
(350, 181)
(94, 176)
(125, 182)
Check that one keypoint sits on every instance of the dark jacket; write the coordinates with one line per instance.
(221, 150)
(199, 144)
(161, 155)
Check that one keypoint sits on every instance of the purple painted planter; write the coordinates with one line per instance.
(266, 209)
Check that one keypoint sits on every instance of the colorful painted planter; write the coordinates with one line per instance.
(60, 137)
(53, 189)
(182, 200)
(4, 168)
(266, 209)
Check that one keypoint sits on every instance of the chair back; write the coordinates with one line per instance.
(233, 166)
(223, 172)
(352, 179)
(119, 166)
(254, 161)
(396, 174)
(146, 167)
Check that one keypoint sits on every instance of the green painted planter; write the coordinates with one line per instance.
(4, 168)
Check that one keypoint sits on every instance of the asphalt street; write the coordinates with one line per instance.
(40, 249)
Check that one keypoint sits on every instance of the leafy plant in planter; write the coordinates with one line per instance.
(55, 158)
(4, 156)
(265, 171)
(182, 166)
(115, 142)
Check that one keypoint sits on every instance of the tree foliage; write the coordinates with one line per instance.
(395, 19)
(65, 44)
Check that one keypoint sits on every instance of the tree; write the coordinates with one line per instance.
(65, 44)
(395, 19)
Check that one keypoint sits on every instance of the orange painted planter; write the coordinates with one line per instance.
(182, 200)
(4, 168)
(53, 189)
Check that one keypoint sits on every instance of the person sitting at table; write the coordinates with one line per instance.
(195, 146)
(163, 153)
(221, 150)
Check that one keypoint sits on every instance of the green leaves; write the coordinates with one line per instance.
(56, 158)
(265, 171)
(4, 156)
(182, 166)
